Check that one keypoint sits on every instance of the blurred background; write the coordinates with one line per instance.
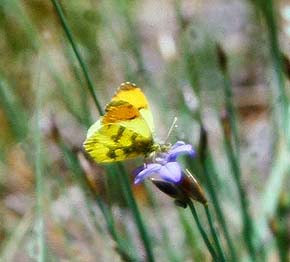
(221, 67)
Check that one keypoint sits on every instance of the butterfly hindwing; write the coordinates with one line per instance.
(116, 142)
(125, 131)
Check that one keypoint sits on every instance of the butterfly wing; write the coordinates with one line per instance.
(117, 142)
(124, 131)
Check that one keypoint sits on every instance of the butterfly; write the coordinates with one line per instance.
(125, 131)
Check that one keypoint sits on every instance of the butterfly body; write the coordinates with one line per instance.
(125, 131)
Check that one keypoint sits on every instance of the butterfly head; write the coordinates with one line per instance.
(157, 151)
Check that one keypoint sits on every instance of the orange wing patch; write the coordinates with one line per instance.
(119, 111)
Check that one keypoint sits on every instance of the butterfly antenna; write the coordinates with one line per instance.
(173, 125)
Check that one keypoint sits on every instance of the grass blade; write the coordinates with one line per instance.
(39, 173)
(82, 63)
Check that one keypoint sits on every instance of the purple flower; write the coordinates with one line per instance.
(165, 164)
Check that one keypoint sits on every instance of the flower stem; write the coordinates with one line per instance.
(171, 254)
(214, 234)
(231, 143)
(209, 171)
(85, 70)
(281, 99)
(202, 232)
(248, 229)
(126, 188)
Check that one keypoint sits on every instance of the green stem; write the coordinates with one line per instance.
(126, 188)
(194, 80)
(85, 70)
(168, 250)
(190, 237)
(268, 10)
(232, 150)
(231, 111)
(14, 110)
(39, 180)
(9, 249)
(248, 229)
(209, 171)
(214, 234)
(202, 232)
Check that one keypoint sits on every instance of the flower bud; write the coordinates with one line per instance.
(192, 188)
(187, 189)
(171, 190)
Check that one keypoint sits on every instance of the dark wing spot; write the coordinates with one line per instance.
(117, 137)
(111, 154)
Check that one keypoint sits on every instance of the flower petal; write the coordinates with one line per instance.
(179, 148)
(149, 170)
(139, 169)
(177, 144)
(171, 172)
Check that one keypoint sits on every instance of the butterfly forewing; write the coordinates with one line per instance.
(132, 94)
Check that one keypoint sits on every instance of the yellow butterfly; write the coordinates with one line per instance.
(125, 131)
